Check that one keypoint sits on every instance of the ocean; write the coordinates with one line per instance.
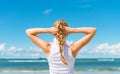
(40, 66)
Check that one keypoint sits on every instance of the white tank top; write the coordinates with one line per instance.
(56, 66)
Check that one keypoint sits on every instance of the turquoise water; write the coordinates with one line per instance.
(41, 66)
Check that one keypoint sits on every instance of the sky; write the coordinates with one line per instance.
(18, 15)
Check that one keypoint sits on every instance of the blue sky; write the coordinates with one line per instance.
(18, 15)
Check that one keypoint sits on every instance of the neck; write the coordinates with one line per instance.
(56, 41)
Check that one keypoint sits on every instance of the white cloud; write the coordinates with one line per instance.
(12, 48)
(35, 55)
(47, 11)
(103, 50)
(36, 49)
(20, 49)
(113, 49)
(36, 52)
(15, 52)
(2, 46)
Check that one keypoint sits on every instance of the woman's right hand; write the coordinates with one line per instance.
(66, 30)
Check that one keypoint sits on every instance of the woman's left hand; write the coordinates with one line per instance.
(53, 30)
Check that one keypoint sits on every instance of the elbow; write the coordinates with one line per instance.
(27, 32)
(93, 30)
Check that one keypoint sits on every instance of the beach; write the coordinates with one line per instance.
(47, 72)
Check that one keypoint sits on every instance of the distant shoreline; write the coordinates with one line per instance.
(46, 59)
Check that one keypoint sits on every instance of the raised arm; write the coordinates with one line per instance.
(32, 34)
(89, 31)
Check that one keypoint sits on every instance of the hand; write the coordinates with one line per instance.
(53, 30)
(68, 30)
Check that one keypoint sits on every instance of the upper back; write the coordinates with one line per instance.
(55, 64)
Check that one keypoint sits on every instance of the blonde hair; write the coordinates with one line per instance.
(61, 39)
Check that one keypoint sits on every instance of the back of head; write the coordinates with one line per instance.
(62, 22)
